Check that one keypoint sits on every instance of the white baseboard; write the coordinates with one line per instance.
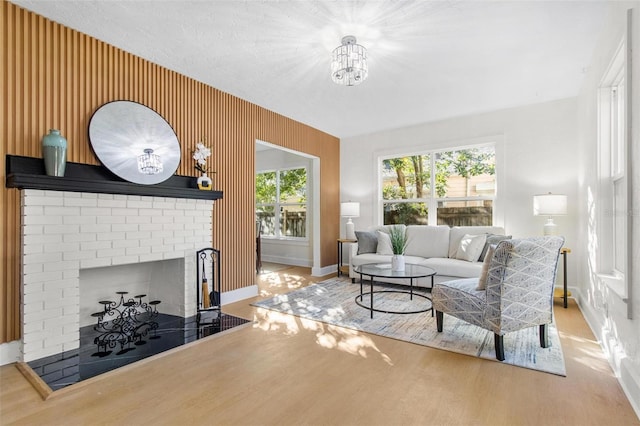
(287, 260)
(630, 385)
(628, 381)
(10, 352)
(238, 295)
(325, 270)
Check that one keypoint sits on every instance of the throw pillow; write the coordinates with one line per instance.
(492, 239)
(367, 242)
(470, 247)
(482, 282)
(384, 244)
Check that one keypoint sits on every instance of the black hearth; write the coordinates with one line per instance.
(71, 367)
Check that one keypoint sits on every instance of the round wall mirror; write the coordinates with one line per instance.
(134, 142)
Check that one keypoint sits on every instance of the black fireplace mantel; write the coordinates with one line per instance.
(28, 173)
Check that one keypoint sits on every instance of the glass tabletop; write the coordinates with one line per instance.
(384, 270)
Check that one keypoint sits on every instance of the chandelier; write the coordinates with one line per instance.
(149, 163)
(349, 63)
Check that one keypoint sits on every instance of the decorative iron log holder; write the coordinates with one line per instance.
(208, 287)
(125, 322)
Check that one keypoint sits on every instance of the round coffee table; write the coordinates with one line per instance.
(383, 270)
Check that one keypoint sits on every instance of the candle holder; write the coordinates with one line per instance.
(124, 323)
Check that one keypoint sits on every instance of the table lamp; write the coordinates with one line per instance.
(550, 205)
(350, 210)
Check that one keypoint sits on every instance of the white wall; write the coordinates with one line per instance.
(604, 310)
(536, 153)
(299, 253)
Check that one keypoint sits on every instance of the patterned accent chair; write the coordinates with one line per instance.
(519, 290)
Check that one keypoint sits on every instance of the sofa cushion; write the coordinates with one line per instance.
(460, 296)
(384, 243)
(465, 285)
(492, 239)
(457, 232)
(470, 247)
(367, 242)
(453, 267)
(482, 281)
(427, 241)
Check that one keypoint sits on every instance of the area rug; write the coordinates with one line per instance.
(333, 302)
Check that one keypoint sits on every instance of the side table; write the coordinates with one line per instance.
(341, 241)
(556, 293)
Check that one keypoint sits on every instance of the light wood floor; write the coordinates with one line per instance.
(285, 371)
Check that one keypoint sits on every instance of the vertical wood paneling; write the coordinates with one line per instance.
(54, 77)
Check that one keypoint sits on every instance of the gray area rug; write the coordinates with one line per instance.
(333, 302)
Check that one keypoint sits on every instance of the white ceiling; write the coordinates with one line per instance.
(429, 60)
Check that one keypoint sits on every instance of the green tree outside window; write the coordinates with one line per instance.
(466, 176)
(281, 202)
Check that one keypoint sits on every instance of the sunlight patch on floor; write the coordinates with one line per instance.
(352, 342)
(276, 283)
(575, 338)
(268, 267)
(589, 354)
(587, 361)
(275, 321)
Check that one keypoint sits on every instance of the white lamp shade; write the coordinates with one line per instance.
(350, 209)
(549, 205)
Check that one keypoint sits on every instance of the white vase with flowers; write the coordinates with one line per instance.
(201, 154)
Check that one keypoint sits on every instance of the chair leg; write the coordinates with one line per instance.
(439, 317)
(544, 336)
(499, 344)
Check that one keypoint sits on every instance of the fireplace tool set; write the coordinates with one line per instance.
(208, 290)
(125, 322)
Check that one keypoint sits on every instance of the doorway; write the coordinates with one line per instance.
(289, 217)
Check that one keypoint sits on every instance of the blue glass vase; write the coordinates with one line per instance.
(54, 153)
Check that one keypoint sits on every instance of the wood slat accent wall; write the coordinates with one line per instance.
(54, 77)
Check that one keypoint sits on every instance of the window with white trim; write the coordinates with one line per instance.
(281, 203)
(455, 187)
(613, 175)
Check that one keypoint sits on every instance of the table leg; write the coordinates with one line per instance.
(410, 288)
(564, 273)
(432, 296)
(339, 258)
(371, 295)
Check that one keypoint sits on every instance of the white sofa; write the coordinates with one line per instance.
(432, 246)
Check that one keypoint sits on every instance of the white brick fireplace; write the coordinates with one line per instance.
(64, 233)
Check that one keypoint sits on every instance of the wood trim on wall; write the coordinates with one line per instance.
(54, 77)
